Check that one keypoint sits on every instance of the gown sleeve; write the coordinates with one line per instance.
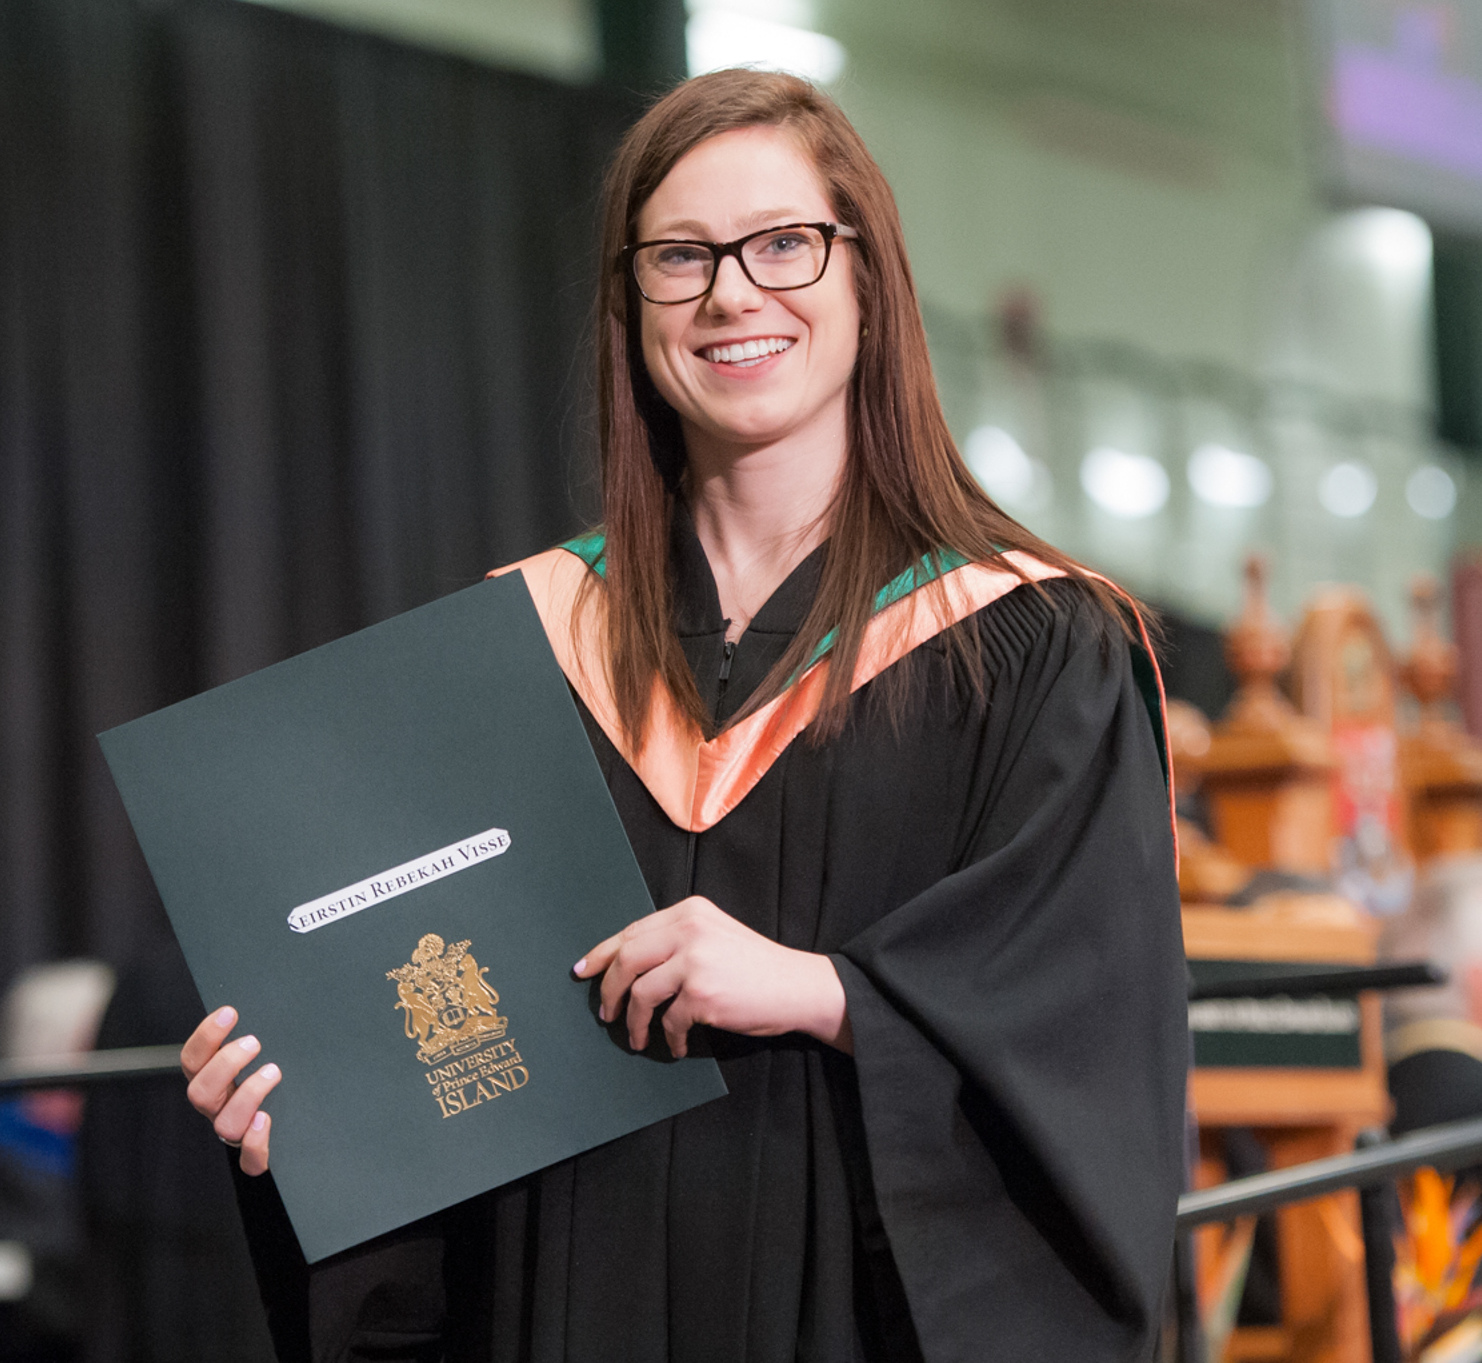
(1020, 1026)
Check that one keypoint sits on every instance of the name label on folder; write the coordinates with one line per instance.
(410, 875)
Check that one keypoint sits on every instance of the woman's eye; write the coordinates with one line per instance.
(681, 257)
(784, 244)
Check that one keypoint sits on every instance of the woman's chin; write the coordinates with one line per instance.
(737, 443)
(758, 426)
(738, 435)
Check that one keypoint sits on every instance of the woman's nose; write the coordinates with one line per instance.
(732, 291)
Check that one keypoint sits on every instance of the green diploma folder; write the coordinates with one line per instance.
(387, 853)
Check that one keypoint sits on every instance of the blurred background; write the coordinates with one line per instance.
(293, 312)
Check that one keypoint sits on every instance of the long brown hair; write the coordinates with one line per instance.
(905, 490)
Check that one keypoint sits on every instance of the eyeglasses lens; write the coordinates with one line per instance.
(674, 272)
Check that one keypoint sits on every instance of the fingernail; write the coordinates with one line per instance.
(270, 1071)
(602, 1013)
(579, 966)
(250, 1044)
(259, 1120)
(225, 1017)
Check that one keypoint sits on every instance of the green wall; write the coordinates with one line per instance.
(1138, 163)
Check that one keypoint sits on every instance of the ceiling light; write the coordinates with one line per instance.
(1128, 485)
(1396, 241)
(1004, 471)
(1348, 489)
(1431, 492)
(719, 38)
(1226, 477)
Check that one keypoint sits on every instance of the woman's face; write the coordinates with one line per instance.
(724, 188)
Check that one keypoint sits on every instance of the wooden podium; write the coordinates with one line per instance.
(1299, 1112)
(1305, 1075)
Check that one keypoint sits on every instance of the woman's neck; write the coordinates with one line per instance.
(759, 512)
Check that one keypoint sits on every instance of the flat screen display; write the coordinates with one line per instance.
(1403, 104)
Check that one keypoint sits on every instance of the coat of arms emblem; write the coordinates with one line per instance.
(450, 1008)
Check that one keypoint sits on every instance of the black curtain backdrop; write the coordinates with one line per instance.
(292, 338)
(292, 329)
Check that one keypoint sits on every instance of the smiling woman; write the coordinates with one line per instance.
(757, 357)
(894, 766)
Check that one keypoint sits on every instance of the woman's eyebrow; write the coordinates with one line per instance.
(773, 215)
(690, 227)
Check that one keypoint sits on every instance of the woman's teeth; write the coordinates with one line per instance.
(746, 353)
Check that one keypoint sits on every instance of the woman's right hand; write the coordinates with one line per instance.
(234, 1110)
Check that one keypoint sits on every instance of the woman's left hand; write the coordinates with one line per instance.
(718, 972)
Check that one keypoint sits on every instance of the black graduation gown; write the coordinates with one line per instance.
(993, 1176)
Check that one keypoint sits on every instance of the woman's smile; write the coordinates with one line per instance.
(746, 354)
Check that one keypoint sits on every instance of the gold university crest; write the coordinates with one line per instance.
(448, 1005)
(450, 1012)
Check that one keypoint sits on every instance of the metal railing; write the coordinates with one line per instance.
(1334, 983)
(1440, 1147)
(1453, 1146)
(90, 1067)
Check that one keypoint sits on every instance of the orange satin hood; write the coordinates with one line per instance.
(696, 781)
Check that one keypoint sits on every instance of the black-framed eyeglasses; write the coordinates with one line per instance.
(776, 259)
